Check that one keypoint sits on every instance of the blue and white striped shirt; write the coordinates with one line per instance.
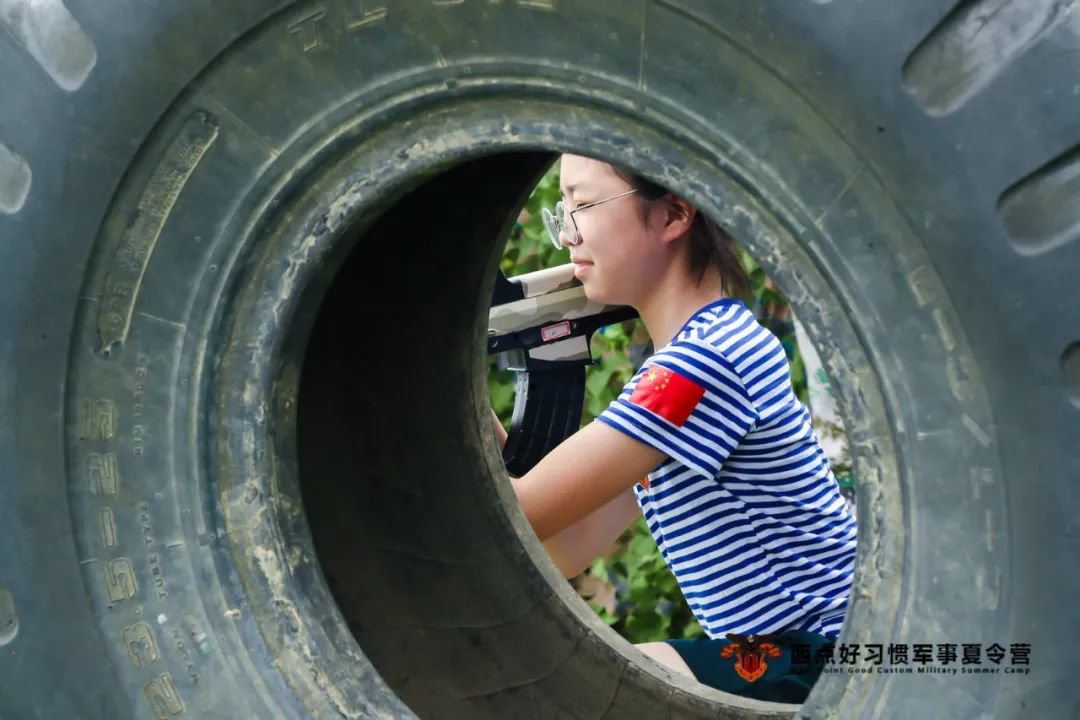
(745, 508)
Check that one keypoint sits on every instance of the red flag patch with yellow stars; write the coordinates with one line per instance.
(668, 394)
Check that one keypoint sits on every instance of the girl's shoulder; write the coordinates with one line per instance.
(724, 325)
(729, 332)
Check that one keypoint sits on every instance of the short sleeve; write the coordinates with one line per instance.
(688, 402)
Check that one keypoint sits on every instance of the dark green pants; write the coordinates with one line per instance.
(787, 678)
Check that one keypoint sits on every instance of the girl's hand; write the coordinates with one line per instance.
(500, 432)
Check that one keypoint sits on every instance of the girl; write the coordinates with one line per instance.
(707, 440)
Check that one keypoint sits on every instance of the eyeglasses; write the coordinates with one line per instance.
(562, 223)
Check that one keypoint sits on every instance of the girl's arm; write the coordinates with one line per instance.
(575, 548)
(500, 431)
(584, 473)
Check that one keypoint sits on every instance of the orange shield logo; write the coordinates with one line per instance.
(750, 652)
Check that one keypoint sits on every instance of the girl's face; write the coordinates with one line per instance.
(619, 255)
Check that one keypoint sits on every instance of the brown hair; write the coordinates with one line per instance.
(710, 244)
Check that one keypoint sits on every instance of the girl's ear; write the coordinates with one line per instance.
(678, 216)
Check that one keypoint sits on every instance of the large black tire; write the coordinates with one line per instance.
(180, 182)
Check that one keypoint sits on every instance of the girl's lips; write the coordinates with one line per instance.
(581, 267)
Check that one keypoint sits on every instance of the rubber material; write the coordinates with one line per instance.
(191, 531)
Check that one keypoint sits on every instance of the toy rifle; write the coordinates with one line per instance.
(545, 322)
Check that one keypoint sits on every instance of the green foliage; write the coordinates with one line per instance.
(529, 247)
(630, 587)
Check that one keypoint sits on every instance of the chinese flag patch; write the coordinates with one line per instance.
(668, 394)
